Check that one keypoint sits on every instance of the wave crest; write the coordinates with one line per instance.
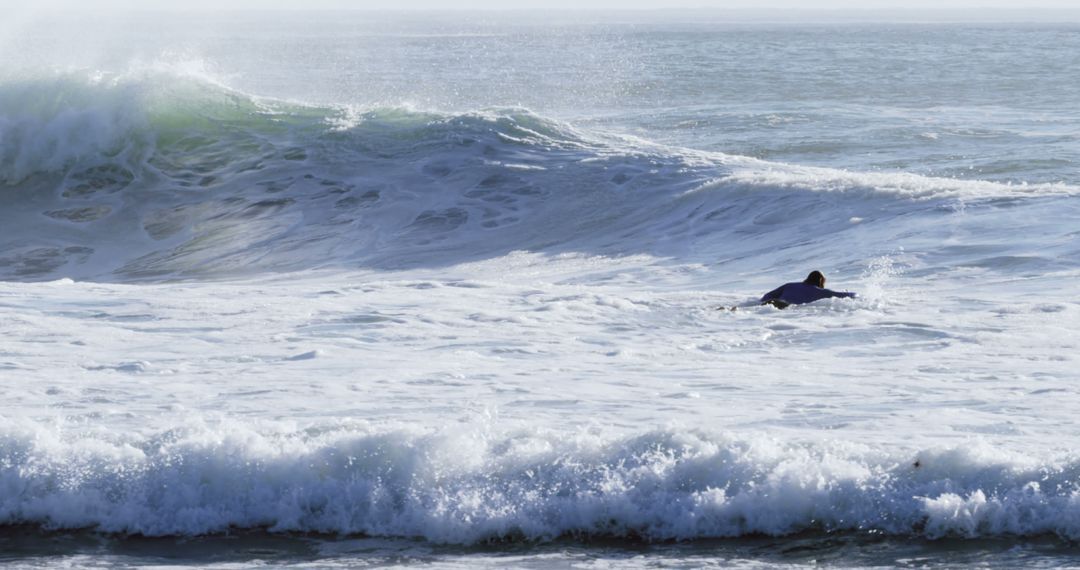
(476, 485)
(156, 175)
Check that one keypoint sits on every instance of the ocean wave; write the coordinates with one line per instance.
(896, 184)
(477, 484)
(158, 174)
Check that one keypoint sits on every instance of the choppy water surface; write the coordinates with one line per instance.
(442, 290)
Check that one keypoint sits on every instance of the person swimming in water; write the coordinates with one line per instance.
(810, 290)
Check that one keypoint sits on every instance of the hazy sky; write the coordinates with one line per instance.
(554, 4)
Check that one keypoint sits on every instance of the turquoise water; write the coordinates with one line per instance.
(989, 101)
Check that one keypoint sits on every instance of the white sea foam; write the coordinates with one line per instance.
(440, 405)
(473, 483)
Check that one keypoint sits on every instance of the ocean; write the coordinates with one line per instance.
(457, 290)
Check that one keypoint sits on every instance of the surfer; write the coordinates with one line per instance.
(811, 289)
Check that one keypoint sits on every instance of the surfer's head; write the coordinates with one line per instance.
(816, 279)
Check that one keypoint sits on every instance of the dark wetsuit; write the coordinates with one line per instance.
(799, 293)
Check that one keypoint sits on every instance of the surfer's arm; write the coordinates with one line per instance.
(772, 295)
(843, 294)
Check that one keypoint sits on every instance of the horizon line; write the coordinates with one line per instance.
(765, 15)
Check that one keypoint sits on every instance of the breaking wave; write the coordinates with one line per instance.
(476, 485)
(160, 175)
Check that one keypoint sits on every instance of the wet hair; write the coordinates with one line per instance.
(816, 278)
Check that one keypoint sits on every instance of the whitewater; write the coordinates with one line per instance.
(341, 290)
